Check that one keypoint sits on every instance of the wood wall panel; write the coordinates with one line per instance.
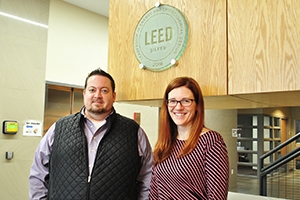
(203, 59)
(263, 46)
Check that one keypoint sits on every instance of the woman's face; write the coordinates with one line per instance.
(182, 115)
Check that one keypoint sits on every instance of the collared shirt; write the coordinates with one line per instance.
(39, 169)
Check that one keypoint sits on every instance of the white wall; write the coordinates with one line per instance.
(149, 118)
(77, 43)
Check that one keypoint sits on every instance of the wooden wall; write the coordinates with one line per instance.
(203, 59)
(234, 47)
(263, 46)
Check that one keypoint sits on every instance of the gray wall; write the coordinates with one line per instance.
(223, 121)
(22, 83)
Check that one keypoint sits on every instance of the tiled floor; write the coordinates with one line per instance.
(285, 185)
(247, 185)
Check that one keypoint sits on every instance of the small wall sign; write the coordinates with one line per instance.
(32, 128)
(160, 37)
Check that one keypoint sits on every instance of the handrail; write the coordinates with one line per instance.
(275, 150)
(281, 146)
(263, 171)
(286, 158)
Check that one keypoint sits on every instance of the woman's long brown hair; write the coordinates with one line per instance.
(168, 129)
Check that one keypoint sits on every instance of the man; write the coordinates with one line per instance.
(93, 154)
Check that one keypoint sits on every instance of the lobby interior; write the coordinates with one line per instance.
(33, 57)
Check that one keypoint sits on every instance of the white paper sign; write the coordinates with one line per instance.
(32, 128)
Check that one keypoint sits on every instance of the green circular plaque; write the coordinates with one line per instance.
(160, 38)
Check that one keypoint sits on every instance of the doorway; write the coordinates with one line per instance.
(61, 101)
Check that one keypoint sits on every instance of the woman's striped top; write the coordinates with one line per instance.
(202, 174)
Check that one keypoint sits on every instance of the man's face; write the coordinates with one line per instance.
(98, 96)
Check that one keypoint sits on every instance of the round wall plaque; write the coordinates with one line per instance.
(160, 38)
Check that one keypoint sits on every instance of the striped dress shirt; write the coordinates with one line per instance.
(202, 174)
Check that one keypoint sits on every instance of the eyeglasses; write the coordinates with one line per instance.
(183, 102)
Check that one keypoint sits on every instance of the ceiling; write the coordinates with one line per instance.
(258, 100)
(98, 6)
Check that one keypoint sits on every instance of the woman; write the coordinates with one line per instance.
(190, 160)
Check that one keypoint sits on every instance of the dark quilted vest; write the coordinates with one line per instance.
(116, 166)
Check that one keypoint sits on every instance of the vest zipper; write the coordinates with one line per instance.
(88, 186)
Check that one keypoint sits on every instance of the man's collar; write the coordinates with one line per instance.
(82, 111)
